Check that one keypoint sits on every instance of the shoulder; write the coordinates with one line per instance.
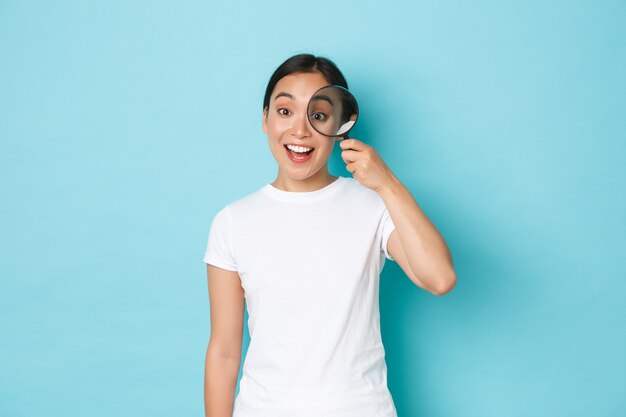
(243, 205)
(358, 191)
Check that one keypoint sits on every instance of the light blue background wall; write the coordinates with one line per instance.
(125, 126)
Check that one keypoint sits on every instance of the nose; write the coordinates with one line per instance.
(301, 126)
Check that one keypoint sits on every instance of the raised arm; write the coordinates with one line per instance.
(415, 244)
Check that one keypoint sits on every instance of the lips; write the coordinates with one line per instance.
(299, 156)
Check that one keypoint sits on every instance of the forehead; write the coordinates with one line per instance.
(300, 85)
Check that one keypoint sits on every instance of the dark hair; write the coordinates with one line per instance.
(304, 63)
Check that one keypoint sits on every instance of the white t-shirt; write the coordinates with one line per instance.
(309, 263)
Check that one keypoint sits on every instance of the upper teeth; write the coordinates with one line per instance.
(298, 148)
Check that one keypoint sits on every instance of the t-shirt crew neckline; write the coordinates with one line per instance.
(302, 196)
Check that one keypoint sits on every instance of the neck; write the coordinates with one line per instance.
(313, 183)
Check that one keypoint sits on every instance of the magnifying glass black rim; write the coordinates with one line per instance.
(356, 105)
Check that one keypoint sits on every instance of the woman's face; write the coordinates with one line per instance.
(286, 123)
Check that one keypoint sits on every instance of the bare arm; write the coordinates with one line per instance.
(223, 356)
(416, 244)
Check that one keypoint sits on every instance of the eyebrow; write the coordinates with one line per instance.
(283, 94)
(323, 97)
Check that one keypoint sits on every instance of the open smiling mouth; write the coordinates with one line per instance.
(299, 153)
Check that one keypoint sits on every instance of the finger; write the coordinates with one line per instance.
(352, 143)
(349, 155)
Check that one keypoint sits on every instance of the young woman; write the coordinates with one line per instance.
(305, 253)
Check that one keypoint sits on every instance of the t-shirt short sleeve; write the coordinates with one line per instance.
(219, 249)
(387, 227)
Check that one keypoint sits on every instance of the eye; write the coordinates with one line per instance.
(319, 117)
(283, 111)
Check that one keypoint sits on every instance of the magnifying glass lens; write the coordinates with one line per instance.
(333, 111)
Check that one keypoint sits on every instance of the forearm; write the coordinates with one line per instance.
(426, 250)
(220, 383)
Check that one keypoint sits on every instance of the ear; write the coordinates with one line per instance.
(264, 126)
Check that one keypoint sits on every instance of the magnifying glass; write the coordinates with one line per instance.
(333, 111)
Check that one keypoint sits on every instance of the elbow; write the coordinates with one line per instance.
(445, 285)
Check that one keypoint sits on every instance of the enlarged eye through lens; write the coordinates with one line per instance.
(332, 111)
(321, 117)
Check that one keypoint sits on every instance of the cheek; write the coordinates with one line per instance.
(325, 150)
(278, 125)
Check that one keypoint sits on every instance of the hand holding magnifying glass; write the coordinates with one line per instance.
(333, 111)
